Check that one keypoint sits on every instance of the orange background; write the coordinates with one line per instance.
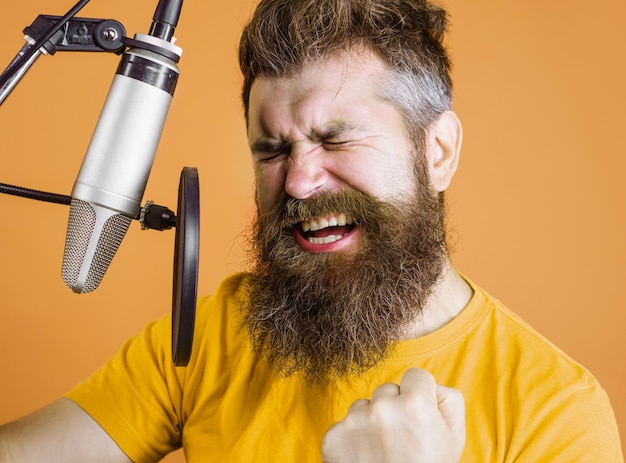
(537, 207)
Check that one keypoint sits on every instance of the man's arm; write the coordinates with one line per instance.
(61, 431)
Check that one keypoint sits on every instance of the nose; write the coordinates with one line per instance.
(306, 174)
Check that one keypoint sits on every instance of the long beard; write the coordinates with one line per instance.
(332, 314)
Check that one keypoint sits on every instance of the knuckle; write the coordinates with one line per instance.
(417, 404)
(381, 410)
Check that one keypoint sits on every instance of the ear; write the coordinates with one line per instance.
(445, 137)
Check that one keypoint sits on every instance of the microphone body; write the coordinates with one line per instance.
(109, 188)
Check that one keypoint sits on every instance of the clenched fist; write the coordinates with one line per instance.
(418, 421)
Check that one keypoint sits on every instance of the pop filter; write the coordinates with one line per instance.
(186, 250)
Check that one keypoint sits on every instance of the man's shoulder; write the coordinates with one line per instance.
(230, 289)
(220, 314)
(517, 345)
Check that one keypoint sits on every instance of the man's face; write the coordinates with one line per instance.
(348, 244)
(326, 130)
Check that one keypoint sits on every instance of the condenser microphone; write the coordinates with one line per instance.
(109, 187)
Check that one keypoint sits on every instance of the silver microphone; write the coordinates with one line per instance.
(109, 188)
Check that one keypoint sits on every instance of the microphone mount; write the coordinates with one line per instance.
(49, 34)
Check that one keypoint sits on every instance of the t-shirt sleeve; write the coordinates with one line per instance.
(136, 396)
(579, 427)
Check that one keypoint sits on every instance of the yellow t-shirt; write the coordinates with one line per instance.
(526, 401)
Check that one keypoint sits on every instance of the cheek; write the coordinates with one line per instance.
(269, 188)
(397, 176)
(384, 177)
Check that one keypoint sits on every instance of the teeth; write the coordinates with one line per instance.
(319, 223)
(323, 223)
(326, 239)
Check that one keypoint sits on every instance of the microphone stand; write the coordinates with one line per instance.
(49, 34)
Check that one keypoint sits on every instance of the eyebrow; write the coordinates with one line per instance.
(334, 129)
(267, 145)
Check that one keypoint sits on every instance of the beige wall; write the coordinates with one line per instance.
(537, 206)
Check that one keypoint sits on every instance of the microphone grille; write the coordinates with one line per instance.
(85, 262)
(80, 227)
(112, 234)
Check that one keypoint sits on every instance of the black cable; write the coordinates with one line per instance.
(8, 73)
(35, 194)
(165, 19)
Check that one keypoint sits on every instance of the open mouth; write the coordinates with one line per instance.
(327, 229)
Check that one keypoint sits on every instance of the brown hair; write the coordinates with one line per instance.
(285, 35)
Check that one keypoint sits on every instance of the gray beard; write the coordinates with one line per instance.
(333, 314)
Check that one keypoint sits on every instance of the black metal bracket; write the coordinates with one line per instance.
(79, 34)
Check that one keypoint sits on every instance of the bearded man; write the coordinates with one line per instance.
(351, 338)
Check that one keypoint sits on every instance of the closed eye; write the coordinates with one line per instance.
(334, 144)
(269, 156)
(266, 151)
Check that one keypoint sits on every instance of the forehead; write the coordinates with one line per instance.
(339, 88)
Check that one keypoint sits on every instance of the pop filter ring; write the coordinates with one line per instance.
(186, 254)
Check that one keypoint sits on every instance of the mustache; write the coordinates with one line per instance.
(291, 211)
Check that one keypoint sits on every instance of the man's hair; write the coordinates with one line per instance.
(285, 35)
